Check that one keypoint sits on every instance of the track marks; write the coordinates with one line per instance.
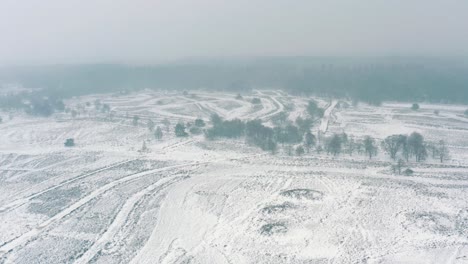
(25, 238)
(17, 203)
(122, 217)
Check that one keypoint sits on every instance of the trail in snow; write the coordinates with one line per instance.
(326, 117)
(17, 203)
(122, 216)
(35, 231)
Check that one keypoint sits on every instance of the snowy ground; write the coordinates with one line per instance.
(195, 201)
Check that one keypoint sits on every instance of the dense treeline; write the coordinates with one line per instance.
(401, 148)
(370, 80)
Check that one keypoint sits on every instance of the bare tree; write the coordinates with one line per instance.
(144, 148)
(334, 145)
(443, 151)
(299, 150)
(417, 147)
(399, 165)
(351, 146)
(158, 134)
(309, 140)
(392, 145)
(370, 147)
(180, 130)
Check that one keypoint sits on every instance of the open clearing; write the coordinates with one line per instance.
(189, 200)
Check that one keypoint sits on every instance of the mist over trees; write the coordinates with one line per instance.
(371, 80)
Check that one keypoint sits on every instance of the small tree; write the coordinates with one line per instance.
(281, 118)
(299, 150)
(239, 97)
(370, 147)
(392, 145)
(256, 101)
(289, 150)
(436, 112)
(151, 125)
(304, 125)
(195, 130)
(442, 151)
(70, 142)
(399, 165)
(135, 120)
(271, 146)
(199, 122)
(417, 147)
(144, 148)
(334, 145)
(1, 120)
(415, 107)
(216, 119)
(158, 134)
(313, 109)
(351, 146)
(105, 108)
(466, 112)
(309, 140)
(319, 149)
(180, 130)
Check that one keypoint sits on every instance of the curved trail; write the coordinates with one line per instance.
(23, 239)
(122, 216)
(326, 117)
(17, 203)
(215, 211)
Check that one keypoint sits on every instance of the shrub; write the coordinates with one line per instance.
(256, 100)
(195, 130)
(299, 151)
(70, 142)
(180, 130)
(199, 122)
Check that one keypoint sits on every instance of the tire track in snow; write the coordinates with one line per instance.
(17, 203)
(178, 144)
(26, 237)
(122, 217)
(326, 117)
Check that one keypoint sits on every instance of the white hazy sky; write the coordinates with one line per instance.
(85, 31)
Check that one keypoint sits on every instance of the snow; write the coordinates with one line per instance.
(192, 200)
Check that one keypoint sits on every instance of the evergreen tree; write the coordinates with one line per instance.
(309, 140)
(158, 134)
(180, 130)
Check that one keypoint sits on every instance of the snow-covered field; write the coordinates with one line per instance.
(188, 200)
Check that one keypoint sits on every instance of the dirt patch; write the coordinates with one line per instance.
(434, 222)
(301, 194)
(273, 228)
(277, 208)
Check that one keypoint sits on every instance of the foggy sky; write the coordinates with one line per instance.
(89, 31)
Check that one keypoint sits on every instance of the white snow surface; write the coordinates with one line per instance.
(189, 200)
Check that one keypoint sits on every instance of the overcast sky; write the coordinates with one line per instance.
(88, 31)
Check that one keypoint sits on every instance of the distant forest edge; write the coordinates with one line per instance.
(369, 80)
